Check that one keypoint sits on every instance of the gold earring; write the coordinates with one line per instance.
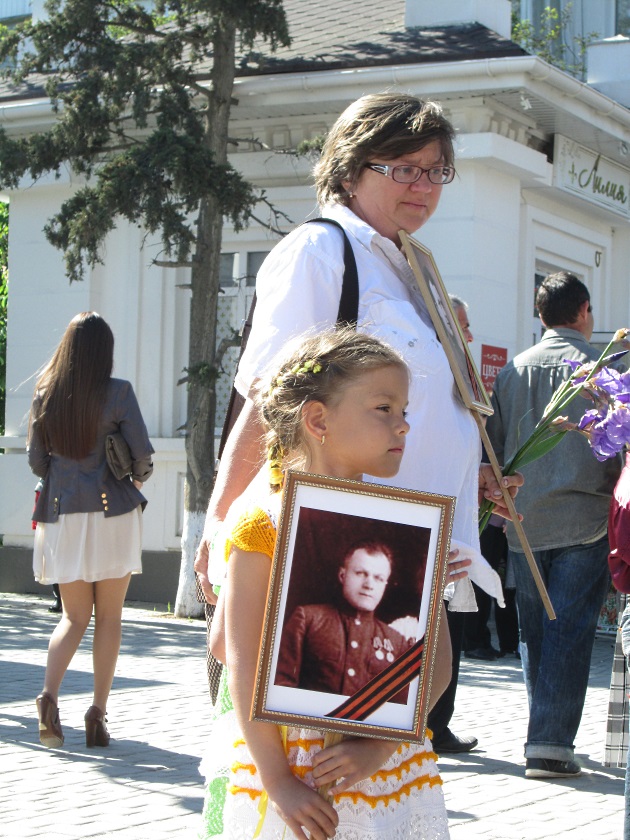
(323, 439)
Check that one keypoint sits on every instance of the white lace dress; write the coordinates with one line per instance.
(403, 800)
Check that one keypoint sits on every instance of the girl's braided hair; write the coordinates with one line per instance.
(317, 370)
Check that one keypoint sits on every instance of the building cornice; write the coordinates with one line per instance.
(542, 94)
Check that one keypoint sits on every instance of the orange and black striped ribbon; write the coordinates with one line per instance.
(382, 687)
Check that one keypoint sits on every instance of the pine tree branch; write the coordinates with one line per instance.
(173, 264)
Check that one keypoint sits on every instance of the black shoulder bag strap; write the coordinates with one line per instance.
(347, 315)
(349, 302)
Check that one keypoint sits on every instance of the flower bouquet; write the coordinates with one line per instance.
(607, 425)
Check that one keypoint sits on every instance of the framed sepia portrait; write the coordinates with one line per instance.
(353, 610)
(467, 379)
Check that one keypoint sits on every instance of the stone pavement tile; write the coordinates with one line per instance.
(593, 828)
(486, 792)
(146, 786)
(148, 776)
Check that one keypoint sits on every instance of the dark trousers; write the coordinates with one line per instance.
(506, 621)
(476, 631)
(441, 714)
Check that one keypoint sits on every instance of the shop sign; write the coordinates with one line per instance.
(492, 360)
(582, 172)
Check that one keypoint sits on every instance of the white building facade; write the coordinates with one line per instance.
(543, 184)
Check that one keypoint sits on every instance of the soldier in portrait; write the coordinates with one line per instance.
(339, 647)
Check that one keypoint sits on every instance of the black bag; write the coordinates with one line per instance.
(118, 455)
(347, 314)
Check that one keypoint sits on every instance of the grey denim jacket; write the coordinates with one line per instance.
(88, 485)
(567, 492)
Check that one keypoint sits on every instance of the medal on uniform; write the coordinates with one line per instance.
(377, 643)
(390, 650)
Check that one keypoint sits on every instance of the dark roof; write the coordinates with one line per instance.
(332, 35)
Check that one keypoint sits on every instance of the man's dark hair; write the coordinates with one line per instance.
(560, 297)
(371, 547)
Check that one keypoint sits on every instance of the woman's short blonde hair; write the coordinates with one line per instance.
(378, 127)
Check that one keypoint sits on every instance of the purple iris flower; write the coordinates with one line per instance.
(591, 416)
(615, 384)
(609, 360)
(608, 380)
(618, 426)
(600, 442)
(572, 363)
(576, 366)
(608, 432)
(624, 394)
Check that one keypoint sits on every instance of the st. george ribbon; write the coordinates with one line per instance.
(383, 686)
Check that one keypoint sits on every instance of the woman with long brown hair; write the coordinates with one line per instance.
(89, 523)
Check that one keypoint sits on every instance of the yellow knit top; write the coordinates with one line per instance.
(253, 531)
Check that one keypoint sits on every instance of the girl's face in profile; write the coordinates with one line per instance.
(365, 427)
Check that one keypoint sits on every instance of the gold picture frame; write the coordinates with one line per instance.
(322, 520)
(469, 384)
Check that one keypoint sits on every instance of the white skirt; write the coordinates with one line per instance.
(403, 800)
(88, 546)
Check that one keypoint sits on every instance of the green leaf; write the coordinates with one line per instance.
(132, 115)
(534, 452)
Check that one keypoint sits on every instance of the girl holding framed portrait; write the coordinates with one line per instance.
(336, 407)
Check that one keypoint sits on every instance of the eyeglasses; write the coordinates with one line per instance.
(407, 174)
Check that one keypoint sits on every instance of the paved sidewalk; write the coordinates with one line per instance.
(145, 786)
(487, 794)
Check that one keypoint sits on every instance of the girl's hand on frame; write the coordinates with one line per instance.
(457, 569)
(350, 761)
(307, 814)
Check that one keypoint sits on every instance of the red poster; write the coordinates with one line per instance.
(492, 360)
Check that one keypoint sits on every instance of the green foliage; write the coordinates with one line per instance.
(547, 39)
(310, 147)
(159, 184)
(129, 88)
(202, 374)
(4, 291)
